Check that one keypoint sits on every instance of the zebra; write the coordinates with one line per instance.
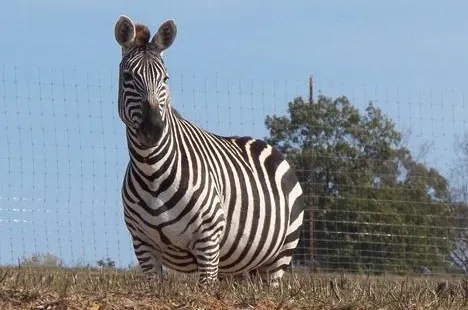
(194, 201)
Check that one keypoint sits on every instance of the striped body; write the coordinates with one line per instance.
(195, 201)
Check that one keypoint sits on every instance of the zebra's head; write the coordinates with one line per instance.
(143, 92)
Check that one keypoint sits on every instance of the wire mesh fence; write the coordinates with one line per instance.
(371, 208)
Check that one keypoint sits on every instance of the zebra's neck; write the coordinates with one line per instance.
(149, 160)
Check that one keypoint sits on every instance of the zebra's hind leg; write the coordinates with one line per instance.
(274, 270)
(148, 259)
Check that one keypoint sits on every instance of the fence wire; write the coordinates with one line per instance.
(64, 153)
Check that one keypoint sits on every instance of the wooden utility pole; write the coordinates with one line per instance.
(309, 229)
(311, 90)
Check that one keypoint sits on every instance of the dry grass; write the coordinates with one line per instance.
(98, 290)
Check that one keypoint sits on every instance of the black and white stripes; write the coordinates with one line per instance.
(195, 201)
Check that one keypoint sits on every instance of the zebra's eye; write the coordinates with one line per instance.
(166, 78)
(126, 76)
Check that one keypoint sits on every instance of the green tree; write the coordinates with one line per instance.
(460, 197)
(370, 204)
(106, 263)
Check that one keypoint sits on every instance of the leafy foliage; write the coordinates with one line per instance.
(460, 196)
(370, 205)
(106, 263)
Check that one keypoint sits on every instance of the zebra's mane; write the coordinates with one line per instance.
(142, 35)
(176, 113)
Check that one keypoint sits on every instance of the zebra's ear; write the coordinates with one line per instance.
(165, 35)
(125, 32)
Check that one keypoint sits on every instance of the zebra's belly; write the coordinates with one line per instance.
(237, 255)
(240, 252)
(179, 260)
(247, 251)
(244, 246)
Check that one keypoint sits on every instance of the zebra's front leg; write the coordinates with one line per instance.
(206, 252)
(148, 259)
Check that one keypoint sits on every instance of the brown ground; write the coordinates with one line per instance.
(98, 290)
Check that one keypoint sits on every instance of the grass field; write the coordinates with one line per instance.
(25, 288)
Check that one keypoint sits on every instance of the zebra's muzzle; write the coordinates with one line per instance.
(152, 126)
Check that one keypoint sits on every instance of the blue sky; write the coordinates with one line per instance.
(397, 43)
(232, 63)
